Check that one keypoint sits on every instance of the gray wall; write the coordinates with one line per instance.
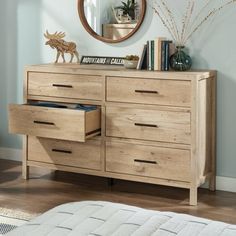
(23, 23)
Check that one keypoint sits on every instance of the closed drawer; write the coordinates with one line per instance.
(66, 153)
(149, 91)
(149, 161)
(65, 86)
(65, 124)
(154, 125)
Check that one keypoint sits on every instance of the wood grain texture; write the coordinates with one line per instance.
(154, 162)
(65, 85)
(149, 91)
(82, 155)
(25, 167)
(142, 179)
(117, 31)
(154, 125)
(146, 114)
(66, 124)
(119, 71)
(195, 129)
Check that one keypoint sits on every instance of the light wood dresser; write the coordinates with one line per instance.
(117, 31)
(152, 127)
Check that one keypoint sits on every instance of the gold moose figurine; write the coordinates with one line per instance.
(56, 42)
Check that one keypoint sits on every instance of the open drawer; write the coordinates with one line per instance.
(58, 123)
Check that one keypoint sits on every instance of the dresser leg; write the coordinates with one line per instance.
(193, 196)
(25, 172)
(25, 167)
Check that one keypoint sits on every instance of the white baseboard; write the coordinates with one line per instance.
(11, 154)
(222, 183)
(226, 184)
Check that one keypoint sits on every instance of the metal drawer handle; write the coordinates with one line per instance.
(145, 161)
(146, 91)
(62, 86)
(43, 122)
(62, 151)
(146, 125)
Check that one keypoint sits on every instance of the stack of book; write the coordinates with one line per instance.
(156, 55)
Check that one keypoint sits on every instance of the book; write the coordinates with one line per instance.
(163, 45)
(152, 54)
(157, 53)
(142, 57)
(144, 64)
(147, 58)
(167, 55)
(167, 52)
(149, 55)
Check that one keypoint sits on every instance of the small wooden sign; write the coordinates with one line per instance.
(119, 61)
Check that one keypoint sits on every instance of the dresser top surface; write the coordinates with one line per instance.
(73, 68)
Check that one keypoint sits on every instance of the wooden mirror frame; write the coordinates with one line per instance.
(99, 37)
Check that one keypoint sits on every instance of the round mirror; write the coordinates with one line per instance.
(112, 21)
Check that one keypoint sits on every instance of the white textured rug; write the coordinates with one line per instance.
(105, 219)
(11, 219)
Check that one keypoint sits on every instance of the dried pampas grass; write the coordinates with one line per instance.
(191, 20)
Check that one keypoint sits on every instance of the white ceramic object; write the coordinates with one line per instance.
(120, 18)
(130, 64)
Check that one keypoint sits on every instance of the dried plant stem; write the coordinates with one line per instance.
(210, 14)
(189, 24)
(164, 16)
(172, 20)
(188, 20)
(196, 18)
(163, 22)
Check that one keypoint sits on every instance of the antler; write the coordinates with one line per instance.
(56, 35)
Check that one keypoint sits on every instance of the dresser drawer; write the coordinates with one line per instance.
(65, 85)
(149, 161)
(149, 91)
(154, 125)
(67, 153)
(65, 124)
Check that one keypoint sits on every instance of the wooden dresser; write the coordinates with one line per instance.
(117, 31)
(152, 127)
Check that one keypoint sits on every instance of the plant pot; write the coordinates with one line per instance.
(180, 61)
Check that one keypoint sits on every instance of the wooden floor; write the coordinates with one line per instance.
(45, 190)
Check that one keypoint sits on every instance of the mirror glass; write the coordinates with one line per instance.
(113, 19)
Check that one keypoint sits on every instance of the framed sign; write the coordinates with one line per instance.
(119, 61)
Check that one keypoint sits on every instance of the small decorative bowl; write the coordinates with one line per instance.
(130, 64)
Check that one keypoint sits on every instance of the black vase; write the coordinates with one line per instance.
(180, 61)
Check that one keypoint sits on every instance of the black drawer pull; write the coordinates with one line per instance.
(43, 122)
(146, 125)
(147, 162)
(146, 91)
(62, 86)
(62, 151)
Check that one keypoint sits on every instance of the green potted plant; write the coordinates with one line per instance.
(131, 61)
(128, 8)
